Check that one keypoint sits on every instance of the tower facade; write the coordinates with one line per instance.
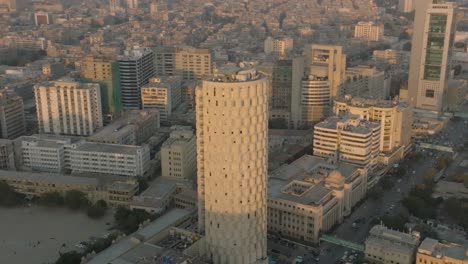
(431, 54)
(136, 68)
(232, 149)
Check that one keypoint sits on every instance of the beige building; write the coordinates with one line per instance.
(163, 94)
(350, 139)
(432, 251)
(406, 6)
(232, 151)
(12, 120)
(391, 57)
(430, 66)
(317, 78)
(114, 193)
(369, 31)
(191, 63)
(179, 154)
(395, 118)
(310, 196)
(366, 81)
(68, 107)
(386, 246)
(278, 46)
(135, 127)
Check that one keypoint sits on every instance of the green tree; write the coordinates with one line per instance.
(51, 199)
(8, 196)
(76, 200)
(96, 211)
(71, 257)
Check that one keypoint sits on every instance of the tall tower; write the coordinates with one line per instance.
(136, 68)
(431, 54)
(232, 149)
(12, 120)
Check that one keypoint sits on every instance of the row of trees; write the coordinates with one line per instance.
(74, 200)
(9, 197)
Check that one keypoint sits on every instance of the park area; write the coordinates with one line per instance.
(37, 234)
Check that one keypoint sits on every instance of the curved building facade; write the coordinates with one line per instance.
(232, 147)
(315, 99)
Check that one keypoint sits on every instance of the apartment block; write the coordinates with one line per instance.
(179, 154)
(7, 154)
(135, 127)
(106, 72)
(282, 85)
(12, 120)
(311, 195)
(395, 118)
(366, 81)
(191, 63)
(369, 31)
(278, 46)
(162, 94)
(68, 107)
(349, 139)
(387, 246)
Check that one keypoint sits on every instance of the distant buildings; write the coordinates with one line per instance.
(179, 154)
(366, 81)
(10, 5)
(136, 68)
(348, 139)
(12, 120)
(68, 107)
(311, 195)
(163, 94)
(369, 31)
(232, 149)
(278, 46)
(191, 63)
(317, 78)
(433, 251)
(41, 18)
(389, 246)
(430, 67)
(106, 72)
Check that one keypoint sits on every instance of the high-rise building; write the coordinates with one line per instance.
(406, 6)
(281, 85)
(7, 154)
(317, 79)
(163, 94)
(349, 139)
(232, 149)
(430, 62)
(278, 46)
(12, 121)
(366, 81)
(191, 63)
(68, 107)
(136, 68)
(179, 154)
(369, 31)
(106, 72)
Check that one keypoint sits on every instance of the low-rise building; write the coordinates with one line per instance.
(434, 252)
(278, 138)
(278, 46)
(369, 31)
(179, 154)
(157, 198)
(310, 196)
(385, 246)
(186, 199)
(122, 160)
(134, 128)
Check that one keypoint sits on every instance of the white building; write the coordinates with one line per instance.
(278, 46)
(366, 81)
(389, 246)
(348, 139)
(430, 66)
(136, 68)
(68, 107)
(179, 154)
(232, 150)
(433, 251)
(163, 94)
(369, 31)
(310, 196)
